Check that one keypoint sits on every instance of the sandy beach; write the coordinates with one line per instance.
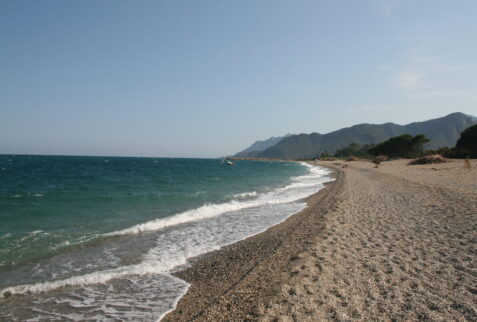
(394, 243)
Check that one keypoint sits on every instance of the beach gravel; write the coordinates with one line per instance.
(394, 243)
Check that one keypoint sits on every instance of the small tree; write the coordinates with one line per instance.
(467, 144)
(416, 146)
(405, 145)
(354, 149)
(445, 151)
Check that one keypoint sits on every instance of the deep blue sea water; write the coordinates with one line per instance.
(94, 237)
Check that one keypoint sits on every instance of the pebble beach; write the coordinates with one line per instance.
(392, 243)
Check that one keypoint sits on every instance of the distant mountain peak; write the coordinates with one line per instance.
(262, 145)
(443, 131)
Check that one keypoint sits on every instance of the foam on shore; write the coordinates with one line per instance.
(280, 195)
(201, 230)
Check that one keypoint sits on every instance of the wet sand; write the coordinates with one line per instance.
(394, 243)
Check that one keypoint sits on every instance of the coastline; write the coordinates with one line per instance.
(264, 204)
(392, 243)
(238, 278)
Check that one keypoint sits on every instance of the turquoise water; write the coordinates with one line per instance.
(51, 202)
(87, 222)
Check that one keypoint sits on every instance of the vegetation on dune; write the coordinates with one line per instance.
(467, 144)
(428, 159)
(354, 149)
(442, 132)
(405, 145)
(408, 146)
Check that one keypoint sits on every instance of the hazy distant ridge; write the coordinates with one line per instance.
(442, 131)
(262, 145)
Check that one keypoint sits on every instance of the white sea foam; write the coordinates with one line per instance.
(6, 235)
(245, 195)
(175, 247)
(289, 193)
(146, 267)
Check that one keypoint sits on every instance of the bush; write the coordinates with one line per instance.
(325, 155)
(428, 159)
(406, 146)
(354, 150)
(445, 151)
(467, 144)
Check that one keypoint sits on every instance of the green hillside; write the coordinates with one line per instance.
(443, 131)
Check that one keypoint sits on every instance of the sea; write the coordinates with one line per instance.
(97, 238)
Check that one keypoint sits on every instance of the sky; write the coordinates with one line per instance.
(170, 78)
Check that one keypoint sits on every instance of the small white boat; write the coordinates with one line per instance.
(230, 162)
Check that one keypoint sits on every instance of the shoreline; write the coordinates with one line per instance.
(390, 243)
(248, 267)
(20, 295)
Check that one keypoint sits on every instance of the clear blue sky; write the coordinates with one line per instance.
(208, 78)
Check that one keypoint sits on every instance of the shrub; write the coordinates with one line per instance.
(467, 144)
(324, 155)
(354, 150)
(428, 159)
(405, 145)
(445, 151)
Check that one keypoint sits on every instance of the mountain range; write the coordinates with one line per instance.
(444, 131)
(261, 145)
